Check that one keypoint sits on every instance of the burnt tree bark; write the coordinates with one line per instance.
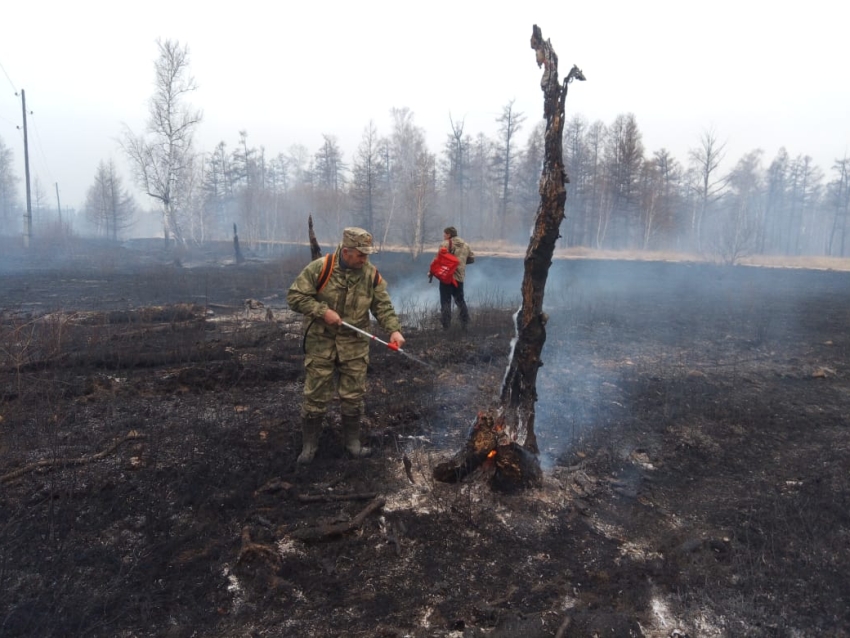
(519, 387)
(315, 249)
(236, 249)
(506, 434)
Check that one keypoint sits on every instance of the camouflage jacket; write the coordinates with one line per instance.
(353, 294)
(462, 251)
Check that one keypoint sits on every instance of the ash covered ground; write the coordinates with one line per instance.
(692, 420)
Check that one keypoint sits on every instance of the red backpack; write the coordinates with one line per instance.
(444, 265)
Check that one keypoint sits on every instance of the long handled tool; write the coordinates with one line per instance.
(391, 346)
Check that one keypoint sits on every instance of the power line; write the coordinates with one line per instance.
(40, 149)
(14, 124)
(14, 88)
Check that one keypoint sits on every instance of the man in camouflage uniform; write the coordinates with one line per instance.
(463, 251)
(336, 357)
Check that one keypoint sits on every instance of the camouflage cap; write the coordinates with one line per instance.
(359, 239)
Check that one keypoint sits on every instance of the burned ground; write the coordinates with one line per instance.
(691, 418)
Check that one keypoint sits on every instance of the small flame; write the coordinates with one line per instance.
(491, 454)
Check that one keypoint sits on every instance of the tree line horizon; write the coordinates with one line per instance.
(619, 196)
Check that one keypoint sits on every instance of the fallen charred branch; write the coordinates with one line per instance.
(325, 532)
(69, 461)
(507, 433)
(333, 498)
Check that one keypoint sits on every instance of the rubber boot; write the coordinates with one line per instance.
(351, 436)
(311, 428)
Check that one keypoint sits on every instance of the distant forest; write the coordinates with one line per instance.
(620, 197)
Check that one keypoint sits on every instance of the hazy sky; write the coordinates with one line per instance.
(760, 74)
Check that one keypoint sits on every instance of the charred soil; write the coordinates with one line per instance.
(692, 423)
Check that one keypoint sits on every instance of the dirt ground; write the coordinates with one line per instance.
(692, 422)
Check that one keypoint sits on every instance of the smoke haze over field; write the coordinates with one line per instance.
(761, 75)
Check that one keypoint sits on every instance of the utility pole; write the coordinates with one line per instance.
(28, 216)
(58, 205)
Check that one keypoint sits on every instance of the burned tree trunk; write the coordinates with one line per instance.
(519, 388)
(315, 249)
(496, 433)
(236, 249)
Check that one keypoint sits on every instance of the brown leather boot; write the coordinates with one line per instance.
(311, 428)
(351, 436)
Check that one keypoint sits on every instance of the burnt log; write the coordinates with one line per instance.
(515, 414)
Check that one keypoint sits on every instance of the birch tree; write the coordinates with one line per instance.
(161, 158)
(413, 182)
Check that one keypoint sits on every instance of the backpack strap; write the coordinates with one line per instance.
(451, 247)
(327, 269)
(376, 279)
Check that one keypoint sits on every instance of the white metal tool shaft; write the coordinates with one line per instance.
(391, 346)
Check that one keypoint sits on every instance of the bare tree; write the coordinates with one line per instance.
(519, 387)
(705, 161)
(455, 174)
(527, 176)
(247, 187)
(838, 197)
(576, 158)
(109, 208)
(483, 197)
(162, 158)
(507, 432)
(217, 189)
(329, 184)
(8, 190)
(197, 219)
(367, 181)
(506, 151)
(733, 233)
(804, 194)
(600, 201)
(623, 161)
(660, 198)
(413, 179)
(38, 198)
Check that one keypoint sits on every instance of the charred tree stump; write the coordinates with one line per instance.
(236, 249)
(516, 465)
(315, 249)
(488, 446)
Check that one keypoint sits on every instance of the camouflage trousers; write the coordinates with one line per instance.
(325, 377)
